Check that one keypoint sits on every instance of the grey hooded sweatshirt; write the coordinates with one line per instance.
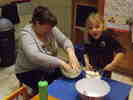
(31, 55)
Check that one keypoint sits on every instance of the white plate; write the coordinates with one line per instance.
(92, 87)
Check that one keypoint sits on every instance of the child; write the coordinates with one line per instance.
(102, 51)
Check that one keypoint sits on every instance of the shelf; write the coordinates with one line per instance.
(80, 28)
(118, 27)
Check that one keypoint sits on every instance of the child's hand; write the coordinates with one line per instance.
(90, 67)
(109, 67)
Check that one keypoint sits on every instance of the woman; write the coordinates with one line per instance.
(38, 50)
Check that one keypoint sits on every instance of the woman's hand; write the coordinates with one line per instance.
(75, 64)
(73, 61)
(65, 66)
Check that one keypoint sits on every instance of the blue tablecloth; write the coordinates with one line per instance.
(64, 89)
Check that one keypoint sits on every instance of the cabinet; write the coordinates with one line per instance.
(80, 11)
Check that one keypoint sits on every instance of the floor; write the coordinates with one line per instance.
(9, 83)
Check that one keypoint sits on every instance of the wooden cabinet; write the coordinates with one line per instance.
(80, 11)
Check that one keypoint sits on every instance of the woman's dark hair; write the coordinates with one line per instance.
(44, 16)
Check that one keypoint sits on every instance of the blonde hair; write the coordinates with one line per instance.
(93, 17)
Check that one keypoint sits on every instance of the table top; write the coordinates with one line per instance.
(64, 89)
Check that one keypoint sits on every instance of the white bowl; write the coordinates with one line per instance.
(92, 87)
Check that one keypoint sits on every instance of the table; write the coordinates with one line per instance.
(49, 98)
(64, 89)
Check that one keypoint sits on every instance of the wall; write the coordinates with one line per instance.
(121, 10)
(61, 9)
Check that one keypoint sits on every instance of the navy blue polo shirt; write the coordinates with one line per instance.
(101, 51)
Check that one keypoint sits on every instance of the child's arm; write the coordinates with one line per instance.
(118, 57)
(119, 53)
(87, 62)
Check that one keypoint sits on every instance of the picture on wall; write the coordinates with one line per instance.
(118, 11)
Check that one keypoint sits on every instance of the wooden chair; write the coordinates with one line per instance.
(19, 94)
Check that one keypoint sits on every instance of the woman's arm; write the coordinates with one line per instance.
(62, 40)
(73, 59)
(68, 46)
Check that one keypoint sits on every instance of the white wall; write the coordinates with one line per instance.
(61, 8)
(121, 10)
